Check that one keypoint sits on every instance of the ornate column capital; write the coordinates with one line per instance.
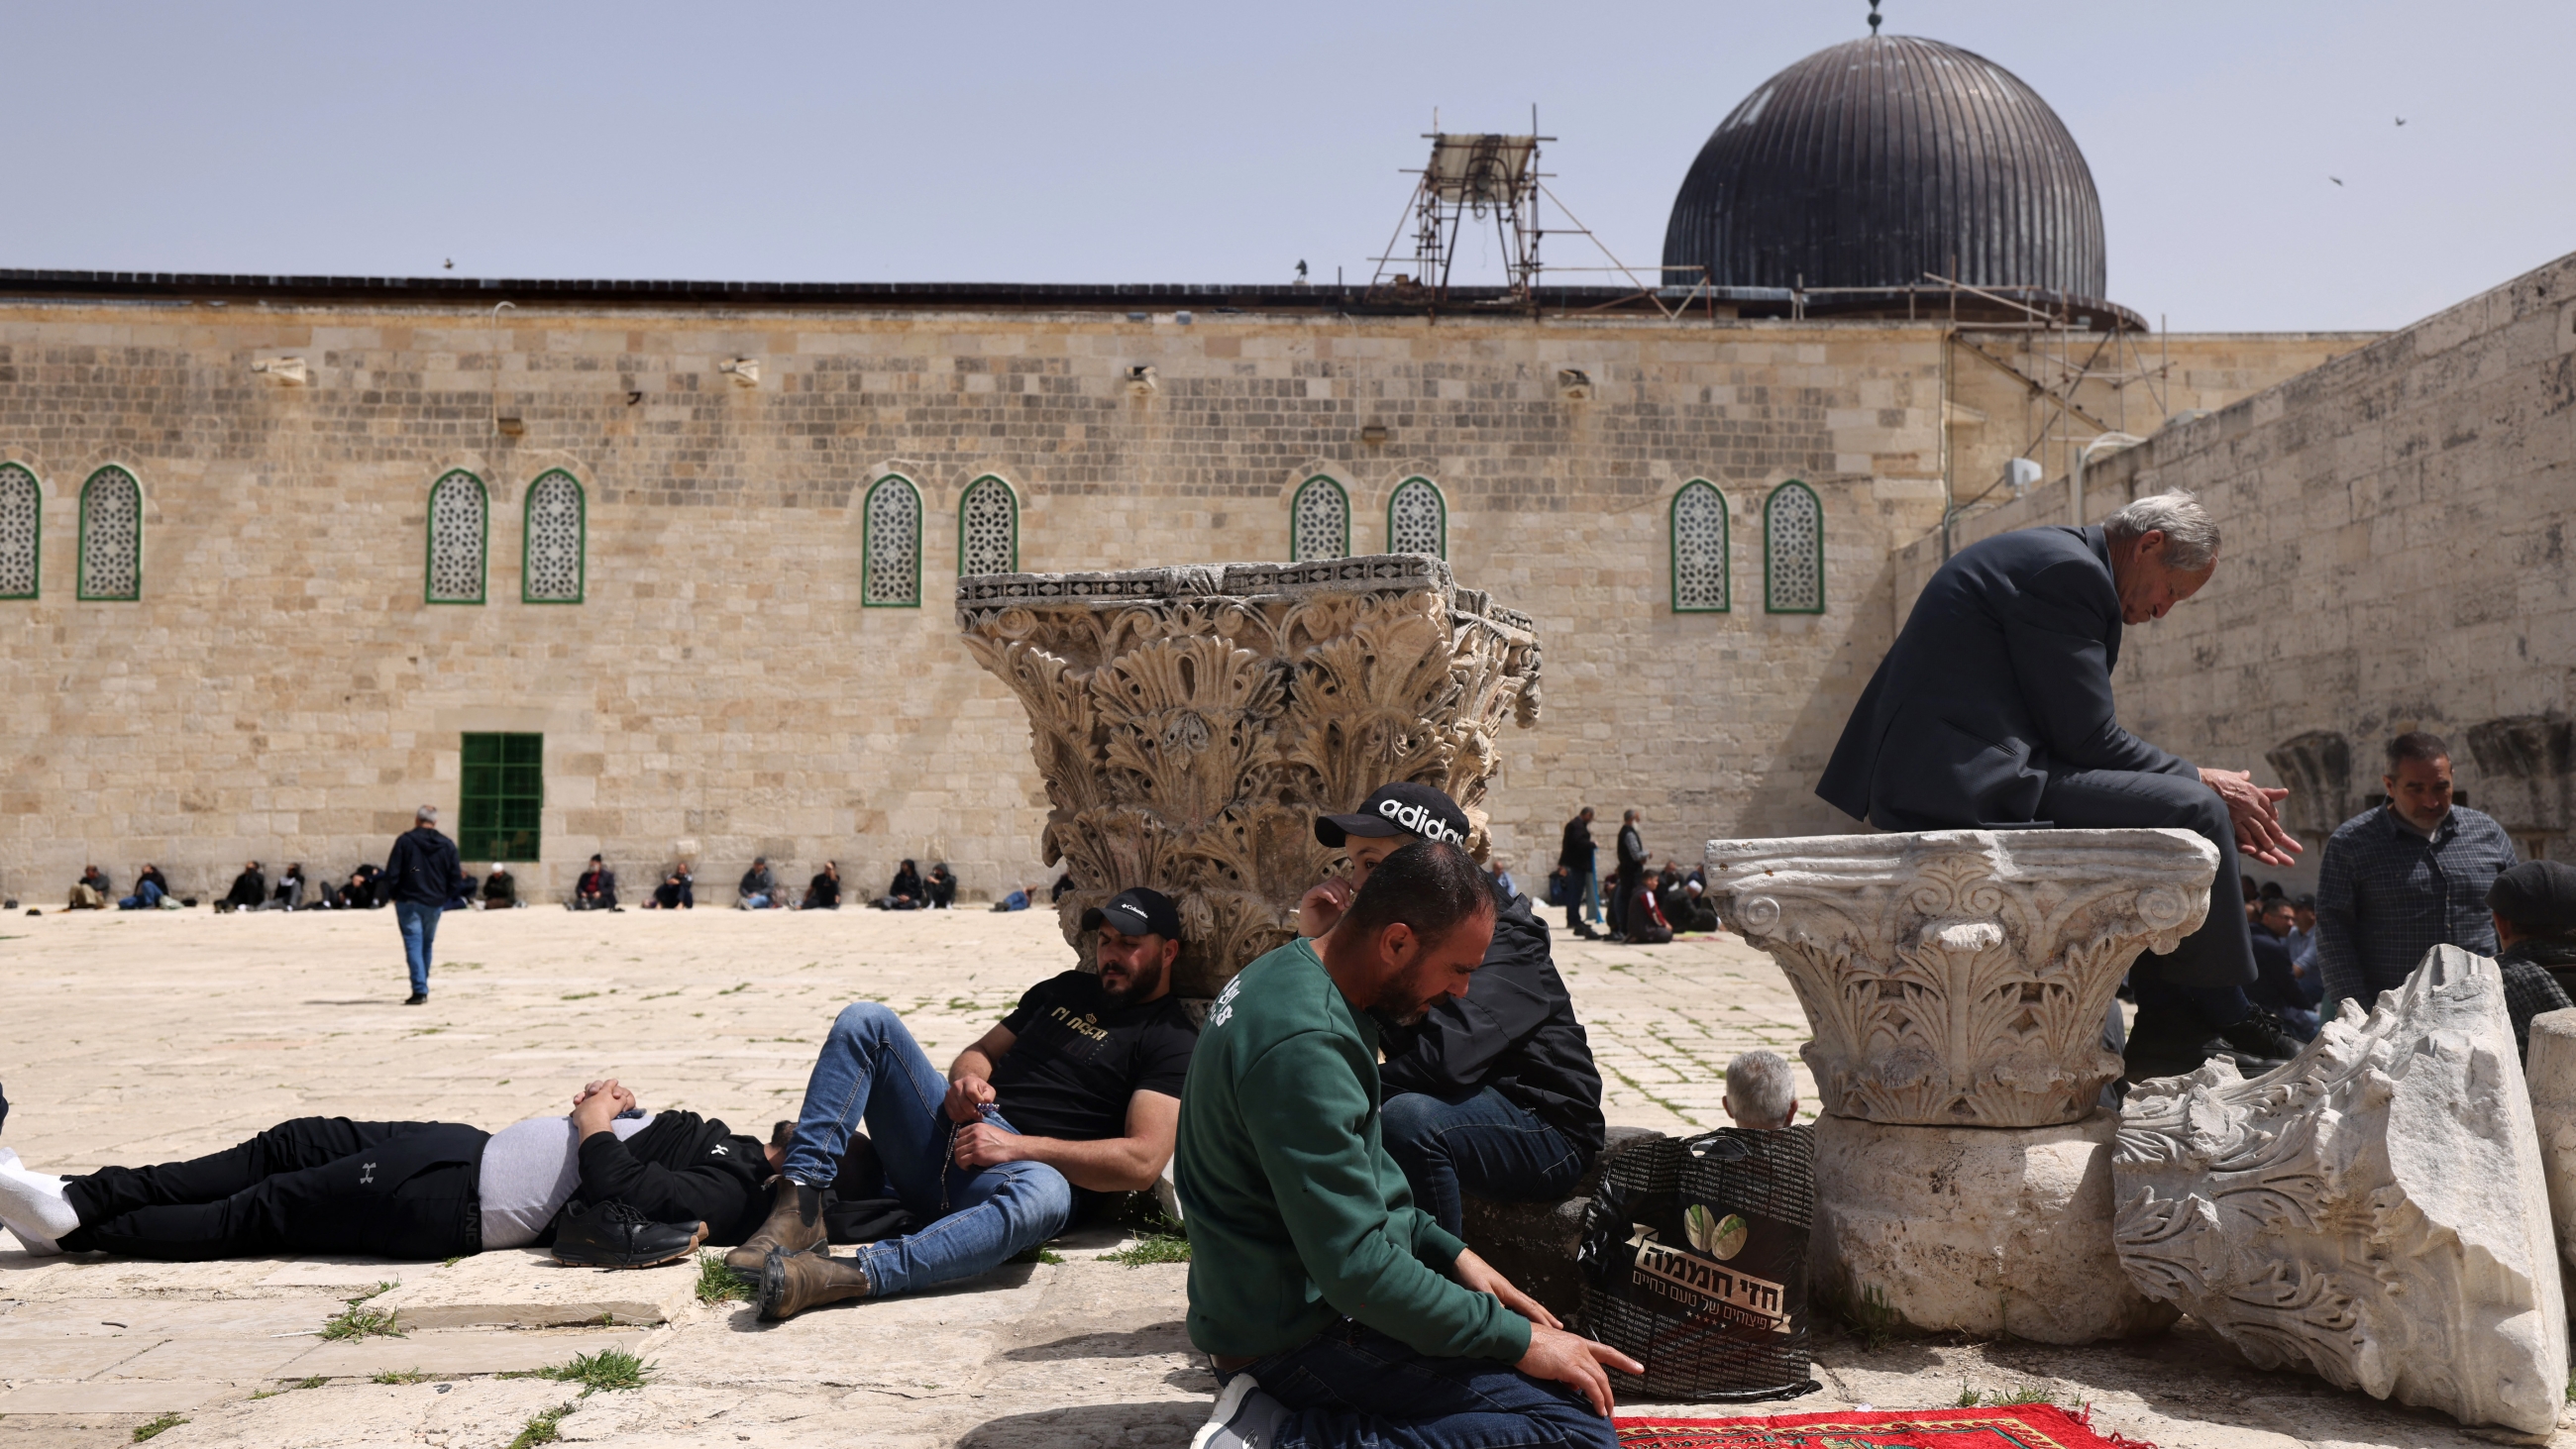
(1959, 978)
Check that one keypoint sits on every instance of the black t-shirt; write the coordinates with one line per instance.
(1075, 1061)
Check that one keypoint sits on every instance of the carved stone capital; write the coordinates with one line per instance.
(1959, 978)
(1191, 722)
(2373, 1210)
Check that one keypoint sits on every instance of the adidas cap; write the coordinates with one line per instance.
(1399, 809)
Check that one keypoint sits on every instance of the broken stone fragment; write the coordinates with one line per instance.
(2372, 1210)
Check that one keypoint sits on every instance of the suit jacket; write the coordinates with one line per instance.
(2001, 679)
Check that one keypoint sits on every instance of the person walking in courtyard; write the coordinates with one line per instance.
(421, 875)
(2402, 878)
(1574, 861)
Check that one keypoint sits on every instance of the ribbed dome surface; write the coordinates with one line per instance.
(1873, 162)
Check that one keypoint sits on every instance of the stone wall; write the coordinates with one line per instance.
(2396, 558)
(281, 689)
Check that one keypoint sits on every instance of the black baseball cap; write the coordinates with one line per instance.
(2537, 895)
(1137, 911)
(1398, 809)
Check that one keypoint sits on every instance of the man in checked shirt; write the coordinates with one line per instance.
(2406, 876)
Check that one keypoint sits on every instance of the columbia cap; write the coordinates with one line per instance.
(1137, 912)
(1399, 809)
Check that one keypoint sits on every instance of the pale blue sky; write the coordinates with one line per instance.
(1158, 142)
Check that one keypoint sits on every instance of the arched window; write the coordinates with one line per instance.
(1793, 551)
(22, 531)
(1700, 573)
(890, 548)
(1319, 521)
(111, 535)
(555, 541)
(459, 528)
(988, 528)
(1417, 519)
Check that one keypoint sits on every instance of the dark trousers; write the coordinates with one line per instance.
(314, 1185)
(2220, 955)
(1481, 1144)
(1351, 1385)
(1624, 903)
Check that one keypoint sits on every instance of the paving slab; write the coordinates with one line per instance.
(164, 1317)
(482, 1414)
(25, 1360)
(136, 1396)
(452, 1352)
(525, 1288)
(233, 1360)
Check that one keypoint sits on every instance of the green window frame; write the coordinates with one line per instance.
(456, 479)
(22, 500)
(501, 797)
(890, 544)
(1431, 506)
(1793, 550)
(1321, 504)
(988, 527)
(103, 554)
(1703, 578)
(565, 540)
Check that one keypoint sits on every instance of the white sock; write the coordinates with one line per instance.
(33, 1206)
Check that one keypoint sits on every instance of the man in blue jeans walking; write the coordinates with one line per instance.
(422, 876)
(1079, 1087)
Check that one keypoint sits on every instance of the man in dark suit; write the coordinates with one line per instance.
(1993, 710)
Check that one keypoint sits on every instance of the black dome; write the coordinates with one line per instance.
(1873, 162)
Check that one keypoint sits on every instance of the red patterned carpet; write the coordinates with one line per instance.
(2020, 1426)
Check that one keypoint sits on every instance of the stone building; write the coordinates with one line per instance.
(659, 569)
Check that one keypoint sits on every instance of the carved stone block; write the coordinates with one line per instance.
(2372, 1210)
(2551, 1073)
(1976, 1229)
(1959, 978)
(1191, 722)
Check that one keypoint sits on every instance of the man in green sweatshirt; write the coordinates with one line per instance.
(1337, 1312)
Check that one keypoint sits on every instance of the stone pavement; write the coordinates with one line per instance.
(136, 1037)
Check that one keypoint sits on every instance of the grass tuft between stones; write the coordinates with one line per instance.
(400, 1376)
(718, 1283)
(540, 1428)
(156, 1427)
(358, 1321)
(1039, 1254)
(607, 1370)
(1153, 1248)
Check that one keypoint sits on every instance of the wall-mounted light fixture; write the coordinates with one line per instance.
(1374, 435)
(1141, 380)
(745, 371)
(287, 370)
(1573, 384)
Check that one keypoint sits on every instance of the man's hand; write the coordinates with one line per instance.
(2255, 809)
(967, 1095)
(1478, 1276)
(598, 1106)
(1576, 1362)
(1319, 909)
(984, 1145)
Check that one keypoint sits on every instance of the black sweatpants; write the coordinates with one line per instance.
(314, 1185)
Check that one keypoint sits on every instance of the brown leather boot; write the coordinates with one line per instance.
(790, 1283)
(795, 1224)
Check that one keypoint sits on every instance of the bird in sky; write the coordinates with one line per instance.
(2337, 180)
(2401, 120)
(450, 264)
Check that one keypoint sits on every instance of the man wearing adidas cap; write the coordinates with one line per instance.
(1493, 1094)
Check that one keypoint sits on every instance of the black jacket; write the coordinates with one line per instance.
(1632, 851)
(1576, 852)
(683, 1168)
(422, 869)
(250, 888)
(1514, 1032)
(2277, 982)
(2001, 678)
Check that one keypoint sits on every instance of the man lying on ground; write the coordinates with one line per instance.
(609, 1185)
(1077, 1088)
(1492, 1094)
(1335, 1311)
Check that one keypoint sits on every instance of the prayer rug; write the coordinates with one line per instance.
(2018, 1426)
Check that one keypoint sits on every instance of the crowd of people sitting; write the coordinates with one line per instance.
(595, 889)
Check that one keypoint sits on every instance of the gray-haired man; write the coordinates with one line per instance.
(422, 875)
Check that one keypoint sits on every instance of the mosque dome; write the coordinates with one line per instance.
(1871, 163)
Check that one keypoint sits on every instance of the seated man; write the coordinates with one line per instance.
(149, 888)
(823, 892)
(358, 893)
(906, 893)
(650, 1187)
(1492, 1094)
(942, 886)
(758, 888)
(2281, 986)
(1078, 1087)
(1335, 1311)
(675, 893)
(2534, 905)
(500, 889)
(91, 892)
(1761, 1092)
(250, 889)
(596, 890)
(289, 894)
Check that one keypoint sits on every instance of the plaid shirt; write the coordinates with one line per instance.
(2387, 895)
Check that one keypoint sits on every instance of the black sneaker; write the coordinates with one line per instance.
(417, 998)
(618, 1235)
(2264, 1037)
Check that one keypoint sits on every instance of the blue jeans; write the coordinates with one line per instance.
(1352, 1387)
(419, 926)
(1482, 1144)
(146, 897)
(871, 1069)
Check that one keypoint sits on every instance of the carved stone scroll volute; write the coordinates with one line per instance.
(1190, 722)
